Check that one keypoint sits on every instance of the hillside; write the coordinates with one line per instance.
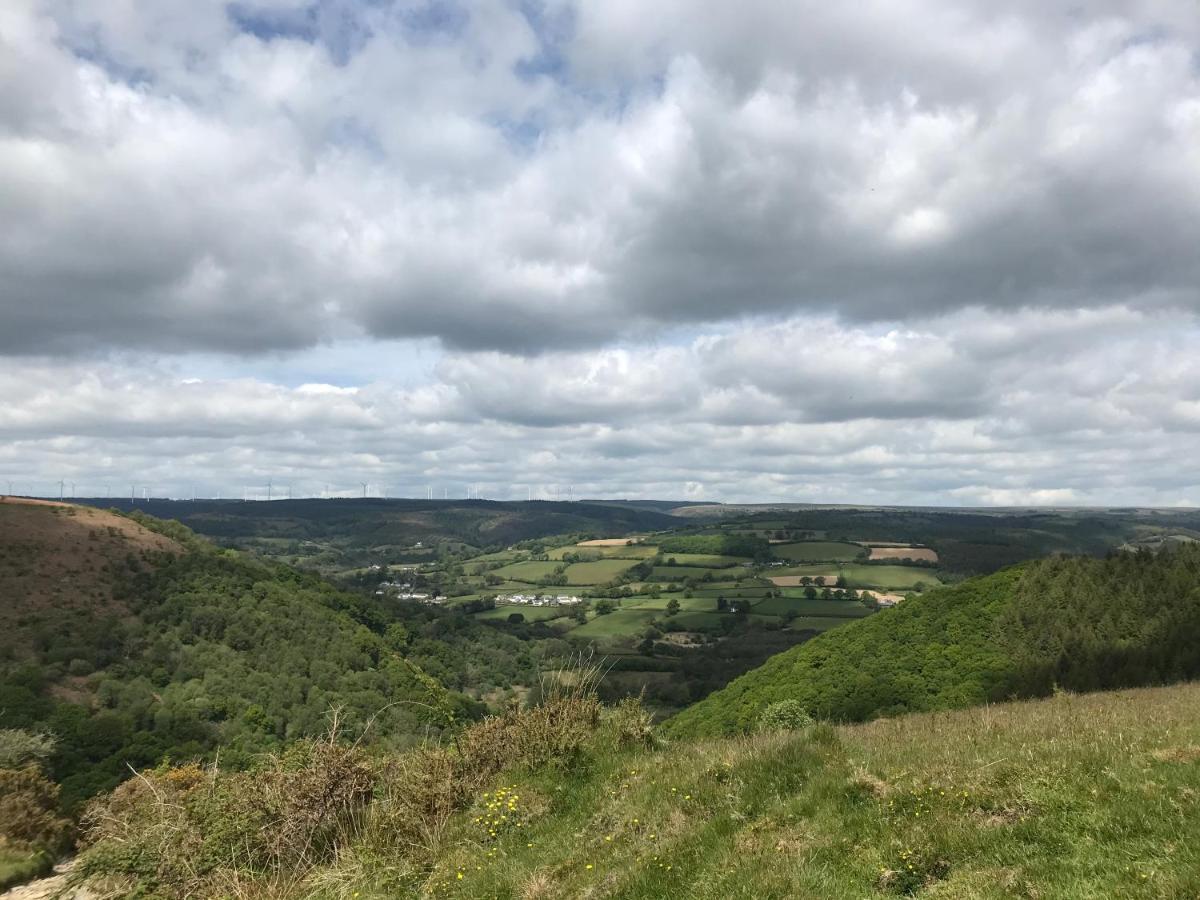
(130, 645)
(55, 557)
(336, 534)
(1070, 797)
(1076, 623)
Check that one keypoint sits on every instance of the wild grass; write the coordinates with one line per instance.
(1069, 797)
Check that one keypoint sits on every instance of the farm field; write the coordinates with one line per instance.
(705, 560)
(850, 609)
(599, 572)
(860, 575)
(678, 573)
(691, 604)
(921, 553)
(619, 551)
(621, 624)
(528, 572)
(827, 579)
(531, 613)
(814, 551)
(893, 577)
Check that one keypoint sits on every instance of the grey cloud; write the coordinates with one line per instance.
(185, 184)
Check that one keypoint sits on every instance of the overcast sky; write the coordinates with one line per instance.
(880, 252)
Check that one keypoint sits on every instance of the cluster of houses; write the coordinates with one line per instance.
(406, 592)
(539, 599)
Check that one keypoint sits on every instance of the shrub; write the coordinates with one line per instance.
(29, 816)
(19, 747)
(785, 715)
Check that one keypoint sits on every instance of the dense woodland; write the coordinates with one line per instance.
(225, 651)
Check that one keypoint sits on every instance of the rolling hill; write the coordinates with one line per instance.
(131, 641)
(1073, 623)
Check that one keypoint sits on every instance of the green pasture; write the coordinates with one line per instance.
(812, 551)
(705, 560)
(531, 613)
(850, 609)
(598, 572)
(529, 572)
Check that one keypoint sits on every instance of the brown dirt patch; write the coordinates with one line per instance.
(919, 553)
(60, 556)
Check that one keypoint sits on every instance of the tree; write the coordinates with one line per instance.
(604, 607)
(810, 592)
(515, 618)
(672, 606)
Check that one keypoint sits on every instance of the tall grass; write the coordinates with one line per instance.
(1090, 796)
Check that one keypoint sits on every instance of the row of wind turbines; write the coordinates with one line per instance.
(282, 492)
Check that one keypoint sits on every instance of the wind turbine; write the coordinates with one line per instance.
(72, 490)
(61, 486)
(364, 487)
(268, 490)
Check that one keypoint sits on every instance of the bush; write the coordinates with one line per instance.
(29, 817)
(785, 715)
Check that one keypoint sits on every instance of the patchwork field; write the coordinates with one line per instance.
(816, 551)
(795, 580)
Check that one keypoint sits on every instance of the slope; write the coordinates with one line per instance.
(129, 646)
(1076, 623)
(1077, 796)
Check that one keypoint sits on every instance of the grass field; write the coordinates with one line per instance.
(804, 607)
(625, 623)
(894, 577)
(531, 613)
(637, 551)
(864, 576)
(597, 572)
(814, 551)
(678, 573)
(528, 572)
(733, 591)
(691, 604)
(705, 560)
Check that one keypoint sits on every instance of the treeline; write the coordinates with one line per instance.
(1077, 624)
(725, 544)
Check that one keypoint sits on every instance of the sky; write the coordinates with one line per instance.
(884, 252)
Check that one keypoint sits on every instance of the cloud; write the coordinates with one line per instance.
(275, 175)
(960, 409)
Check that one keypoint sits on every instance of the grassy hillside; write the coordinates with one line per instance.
(1070, 797)
(335, 535)
(1078, 623)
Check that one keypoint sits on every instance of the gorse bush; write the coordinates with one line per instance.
(785, 715)
(189, 831)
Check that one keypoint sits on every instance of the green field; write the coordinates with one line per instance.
(813, 551)
(889, 577)
(836, 608)
(528, 572)
(531, 613)
(599, 572)
(636, 551)
(691, 604)
(859, 575)
(705, 560)
(678, 573)
(733, 591)
(622, 624)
